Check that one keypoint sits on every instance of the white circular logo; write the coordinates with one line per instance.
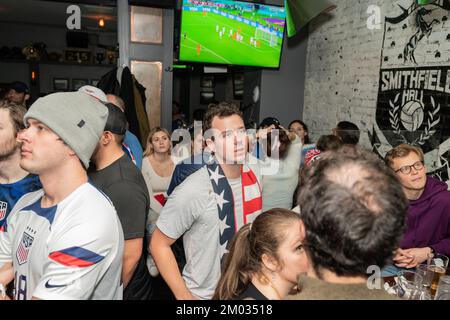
(412, 115)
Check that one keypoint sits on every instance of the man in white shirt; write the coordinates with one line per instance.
(208, 208)
(64, 241)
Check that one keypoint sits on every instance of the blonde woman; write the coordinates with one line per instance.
(157, 169)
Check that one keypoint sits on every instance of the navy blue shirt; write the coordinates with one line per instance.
(11, 193)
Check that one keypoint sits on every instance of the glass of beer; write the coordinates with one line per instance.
(437, 266)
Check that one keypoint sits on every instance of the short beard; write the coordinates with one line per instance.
(8, 155)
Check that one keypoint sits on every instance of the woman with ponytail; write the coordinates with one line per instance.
(265, 258)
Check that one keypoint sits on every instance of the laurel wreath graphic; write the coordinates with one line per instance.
(394, 115)
(428, 132)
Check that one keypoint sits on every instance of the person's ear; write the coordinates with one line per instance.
(71, 152)
(210, 145)
(26, 98)
(269, 262)
(107, 137)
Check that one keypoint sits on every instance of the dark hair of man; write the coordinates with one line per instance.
(16, 113)
(305, 128)
(348, 132)
(263, 236)
(221, 110)
(328, 143)
(354, 210)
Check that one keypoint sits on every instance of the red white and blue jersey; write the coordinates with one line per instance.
(73, 250)
(10, 193)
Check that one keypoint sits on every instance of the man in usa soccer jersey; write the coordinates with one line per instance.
(64, 241)
(14, 181)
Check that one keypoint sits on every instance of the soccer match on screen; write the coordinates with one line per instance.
(231, 32)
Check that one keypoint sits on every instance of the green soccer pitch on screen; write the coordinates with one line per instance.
(232, 33)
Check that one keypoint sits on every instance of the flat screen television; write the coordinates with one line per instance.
(231, 33)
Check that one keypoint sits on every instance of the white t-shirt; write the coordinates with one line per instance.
(279, 185)
(72, 250)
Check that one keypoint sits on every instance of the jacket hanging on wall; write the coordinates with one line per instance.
(139, 103)
(126, 90)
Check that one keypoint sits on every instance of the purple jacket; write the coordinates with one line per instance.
(428, 219)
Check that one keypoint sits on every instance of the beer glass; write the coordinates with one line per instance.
(437, 266)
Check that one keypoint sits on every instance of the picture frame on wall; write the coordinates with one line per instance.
(94, 82)
(60, 84)
(78, 83)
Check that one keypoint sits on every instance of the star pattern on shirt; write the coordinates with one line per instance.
(223, 249)
(223, 225)
(221, 200)
(215, 175)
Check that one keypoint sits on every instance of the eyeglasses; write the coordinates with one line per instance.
(407, 169)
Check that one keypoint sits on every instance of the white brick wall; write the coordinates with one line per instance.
(343, 64)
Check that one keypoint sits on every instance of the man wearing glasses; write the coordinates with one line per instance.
(428, 218)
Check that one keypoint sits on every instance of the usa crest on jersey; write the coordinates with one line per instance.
(3, 208)
(24, 248)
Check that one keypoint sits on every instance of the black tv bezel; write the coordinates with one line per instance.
(225, 64)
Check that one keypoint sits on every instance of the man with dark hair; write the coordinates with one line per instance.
(353, 210)
(428, 220)
(14, 181)
(18, 93)
(124, 184)
(348, 132)
(208, 208)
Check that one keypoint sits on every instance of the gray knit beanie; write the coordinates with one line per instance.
(77, 118)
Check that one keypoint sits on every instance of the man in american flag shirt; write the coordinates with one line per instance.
(209, 207)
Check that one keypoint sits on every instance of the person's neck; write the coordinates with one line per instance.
(412, 194)
(231, 171)
(272, 290)
(60, 182)
(108, 156)
(160, 157)
(331, 277)
(10, 170)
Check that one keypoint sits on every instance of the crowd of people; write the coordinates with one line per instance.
(86, 212)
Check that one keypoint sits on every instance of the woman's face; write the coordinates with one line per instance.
(161, 142)
(299, 130)
(292, 256)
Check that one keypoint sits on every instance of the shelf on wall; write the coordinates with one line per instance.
(58, 63)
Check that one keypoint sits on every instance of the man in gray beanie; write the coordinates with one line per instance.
(65, 240)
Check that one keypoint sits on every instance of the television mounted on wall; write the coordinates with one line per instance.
(232, 33)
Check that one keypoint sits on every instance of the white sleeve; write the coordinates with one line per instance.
(6, 240)
(154, 204)
(5, 247)
(295, 152)
(79, 256)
